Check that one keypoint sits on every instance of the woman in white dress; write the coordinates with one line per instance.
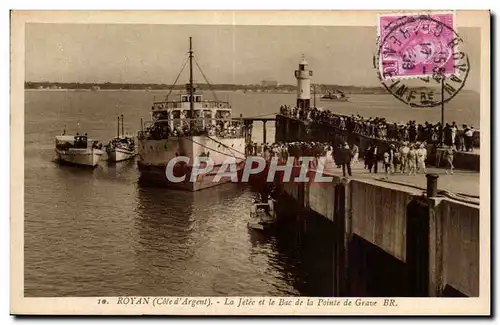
(421, 157)
(403, 151)
(412, 160)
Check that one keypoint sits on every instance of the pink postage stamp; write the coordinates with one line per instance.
(418, 45)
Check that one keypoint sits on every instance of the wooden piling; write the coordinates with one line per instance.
(264, 132)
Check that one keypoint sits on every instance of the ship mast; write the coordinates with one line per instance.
(191, 90)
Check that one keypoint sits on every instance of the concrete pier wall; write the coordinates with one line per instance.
(454, 243)
(321, 198)
(379, 216)
(437, 239)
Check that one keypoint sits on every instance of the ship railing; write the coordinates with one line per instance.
(180, 104)
(187, 119)
(220, 127)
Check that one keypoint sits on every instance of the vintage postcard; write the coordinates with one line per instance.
(250, 162)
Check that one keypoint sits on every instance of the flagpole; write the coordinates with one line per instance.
(442, 112)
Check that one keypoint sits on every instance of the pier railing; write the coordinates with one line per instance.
(289, 129)
(384, 130)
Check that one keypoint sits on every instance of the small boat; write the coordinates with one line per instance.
(78, 150)
(122, 147)
(262, 216)
(337, 97)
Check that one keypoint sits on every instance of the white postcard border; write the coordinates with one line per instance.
(407, 306)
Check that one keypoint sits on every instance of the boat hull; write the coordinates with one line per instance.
(80, 157)
(333, 100)
(154, 155)
(262, 221)
(119, 154)
(259, 226)
(156, 176)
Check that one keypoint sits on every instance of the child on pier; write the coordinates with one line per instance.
(387, 163)
(448, 154)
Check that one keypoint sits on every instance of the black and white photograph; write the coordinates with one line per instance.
(221, 163)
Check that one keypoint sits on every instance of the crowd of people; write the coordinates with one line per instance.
(379, 128)
(404, 158)
(221, 129)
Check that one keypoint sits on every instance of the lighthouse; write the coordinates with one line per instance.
(303, 76)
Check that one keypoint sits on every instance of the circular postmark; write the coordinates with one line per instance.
(419, 60)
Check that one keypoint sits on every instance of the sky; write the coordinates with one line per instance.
(134, 53)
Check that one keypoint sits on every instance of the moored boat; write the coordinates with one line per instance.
(189, 127)
(122, 147)
(78, 150)
(262, 216)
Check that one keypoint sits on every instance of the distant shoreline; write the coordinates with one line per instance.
(361, 92)
(254, 88)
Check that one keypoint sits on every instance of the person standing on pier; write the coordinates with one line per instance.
(469, 134)
(449, 154)
(391, 152)
(337, 155)
(367, 156)
(387, 163)
(421, 157)
(346, 156)
(268, 152)
(448, 135)
(373, 158)
(329, 154)
(461, 138)
(396, 164)
(403, 151)
(412, 160)
(454, 131)
(355, 154)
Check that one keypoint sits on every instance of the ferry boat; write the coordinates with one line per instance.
(192, 127)
(122, 147)
(336, 97)
(78, 150)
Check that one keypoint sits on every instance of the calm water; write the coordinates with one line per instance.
(97, 233)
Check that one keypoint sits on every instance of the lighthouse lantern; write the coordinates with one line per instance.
(303, 76)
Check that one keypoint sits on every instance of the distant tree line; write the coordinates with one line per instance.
(319, 88)
(153, 86)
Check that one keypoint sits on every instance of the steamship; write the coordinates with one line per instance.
(191, 127)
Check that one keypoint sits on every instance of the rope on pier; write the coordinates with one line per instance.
(467, 198)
